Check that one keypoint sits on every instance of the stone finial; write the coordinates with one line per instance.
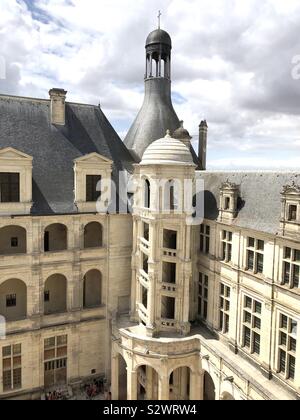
(168, 134)
(291, 189)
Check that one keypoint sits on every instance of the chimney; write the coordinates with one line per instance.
(58, 107)
(202, 144)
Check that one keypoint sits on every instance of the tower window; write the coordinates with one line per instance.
(146, 231)
(9, 187)
(169, 272)
(168, 307)
(170, 239)
(147, 194)
(92, 187)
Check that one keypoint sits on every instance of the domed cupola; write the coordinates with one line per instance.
(167, 151)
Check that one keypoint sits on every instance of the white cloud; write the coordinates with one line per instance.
(232, 64)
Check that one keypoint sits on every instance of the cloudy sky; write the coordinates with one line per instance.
(234, 63)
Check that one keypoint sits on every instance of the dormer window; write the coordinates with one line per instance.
(92, 182)
(15, 182)
(93, 188)
(227, 203)
(229, 194)
(290, 211)
(9, 187)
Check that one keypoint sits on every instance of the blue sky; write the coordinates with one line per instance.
(231, 64)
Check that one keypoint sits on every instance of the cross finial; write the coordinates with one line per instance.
(159, 15)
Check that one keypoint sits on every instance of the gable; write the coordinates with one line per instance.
(12, 154)
(93, 158)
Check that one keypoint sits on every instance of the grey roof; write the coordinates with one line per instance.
(159, 36)
(260, 199)
(156, 116)
(25, 125)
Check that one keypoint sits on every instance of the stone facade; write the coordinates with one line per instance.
(159, 306)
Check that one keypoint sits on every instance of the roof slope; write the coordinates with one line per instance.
(260, 203)
(25, 125)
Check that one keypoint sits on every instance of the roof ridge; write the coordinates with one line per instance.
(42, 100)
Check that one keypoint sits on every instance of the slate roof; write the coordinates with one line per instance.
(260, 203)
(25, 125)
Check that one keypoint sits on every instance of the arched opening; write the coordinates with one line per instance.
(13, 300)
(227, 397)
(55, 294)
(92, 289)
(147, 383)
(209, 392)
(55, 238)
(93, 235)
(12, 240)
(179, 383)
(122, 379)
(172, 190)
(147, 194)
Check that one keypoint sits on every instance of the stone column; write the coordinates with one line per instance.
(150, 75)
(163, 387)
(196, 386)
(115, 377)
(131, 384)
(149, 383)
(183, 383)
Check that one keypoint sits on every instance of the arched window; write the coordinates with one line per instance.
(92, 289)
(93, 235)
(12, 240)
(13, 300)
(179, 384)
(171, 195)
(55, 238)
(55, 294)
(147, 194)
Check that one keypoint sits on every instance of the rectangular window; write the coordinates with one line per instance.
(287, 346)
(291, 268)
(204, 239)
(226, 243)
(92, 185)
(12, 367)
(202, 296)
(292, 213)
(9, 187)
(11, 301)
(14, 242)
(224, 308)
(55, 360)
(255, 255)
(46, 296)
(252, 310)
